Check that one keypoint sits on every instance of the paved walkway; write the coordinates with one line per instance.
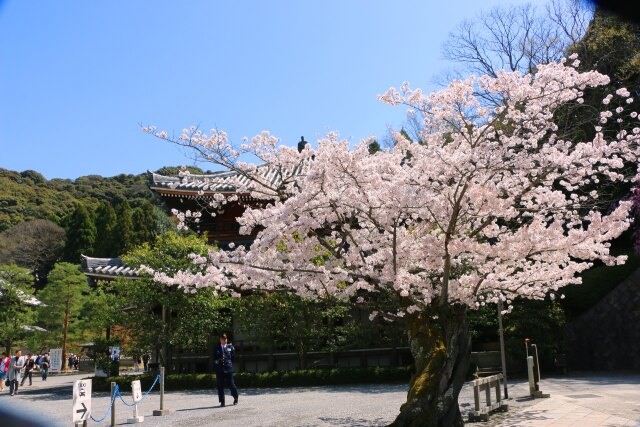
(584, 401)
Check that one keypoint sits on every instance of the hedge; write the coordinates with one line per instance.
(300, 378)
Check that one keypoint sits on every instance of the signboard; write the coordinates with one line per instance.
(55, 356)
(81, 400)
(114, 353)
(136, 391)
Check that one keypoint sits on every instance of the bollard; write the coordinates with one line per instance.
(162, 411)
(532, 381)
(534, 376)
(113, 405)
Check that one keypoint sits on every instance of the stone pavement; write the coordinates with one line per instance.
(583, 400)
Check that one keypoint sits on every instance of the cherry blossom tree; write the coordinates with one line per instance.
(491, 205)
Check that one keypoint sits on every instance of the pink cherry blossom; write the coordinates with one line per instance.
(488, 206)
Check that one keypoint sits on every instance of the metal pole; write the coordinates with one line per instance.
(113, 405)
(161, 388)
(502, 352)
(162, 411)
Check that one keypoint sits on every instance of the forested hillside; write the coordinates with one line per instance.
(28, 195)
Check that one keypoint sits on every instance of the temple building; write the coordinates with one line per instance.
(194, 193)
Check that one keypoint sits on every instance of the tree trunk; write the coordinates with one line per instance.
(440, 344)
(64, 339)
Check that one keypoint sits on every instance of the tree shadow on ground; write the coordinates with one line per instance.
(354, 422)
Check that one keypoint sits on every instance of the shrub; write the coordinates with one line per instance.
(300, 378)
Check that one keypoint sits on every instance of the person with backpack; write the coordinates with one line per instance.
(14, 374)
(45, 366)
(4, 368)
(29, 366)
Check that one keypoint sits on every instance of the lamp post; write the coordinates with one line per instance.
(502, 352)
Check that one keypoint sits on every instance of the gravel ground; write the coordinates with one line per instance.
(363, 405)
(372, 405)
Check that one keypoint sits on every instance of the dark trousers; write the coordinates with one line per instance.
(221, 379)
(45, 373)
(13, 387)
(24, 377)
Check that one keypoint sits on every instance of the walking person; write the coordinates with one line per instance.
(145, 361)
(223, 359)
(4, 368)
(15, 368)
(136, 362)
(29, 366)
(45, 366)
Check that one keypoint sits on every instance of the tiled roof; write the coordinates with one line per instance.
(219, 182)
(106, 267)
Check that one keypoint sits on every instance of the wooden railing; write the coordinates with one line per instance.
(482, 410)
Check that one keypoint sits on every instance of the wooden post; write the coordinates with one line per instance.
(476, 398)
(162, 411)
(113, 405)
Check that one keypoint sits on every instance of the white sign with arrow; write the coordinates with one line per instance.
(136, 392)
(81, 400)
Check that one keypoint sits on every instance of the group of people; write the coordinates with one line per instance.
(141, 361)
(14, 370)
(73, 360)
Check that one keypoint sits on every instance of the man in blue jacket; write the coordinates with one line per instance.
(223, 359)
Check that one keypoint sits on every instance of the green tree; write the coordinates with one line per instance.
(168, 319)
(145, 223)
(374, 147)
(35, 245)
(106, 244)
(281, 321)
(124, 230)
(17, 302)
(63, 297)
(81, 234)
(102, 310)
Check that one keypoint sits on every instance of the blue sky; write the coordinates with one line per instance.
(77, 77)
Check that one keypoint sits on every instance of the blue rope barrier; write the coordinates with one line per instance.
(151, 388)
(116, 392)
(143, 398)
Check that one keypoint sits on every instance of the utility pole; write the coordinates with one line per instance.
(66, 327)
(502, 352)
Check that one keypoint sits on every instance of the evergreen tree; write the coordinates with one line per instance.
(63, 298)
(124, 230)
(144, 223)
(16, 300)
(106, 224)
(374, 147)
(81, 234)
